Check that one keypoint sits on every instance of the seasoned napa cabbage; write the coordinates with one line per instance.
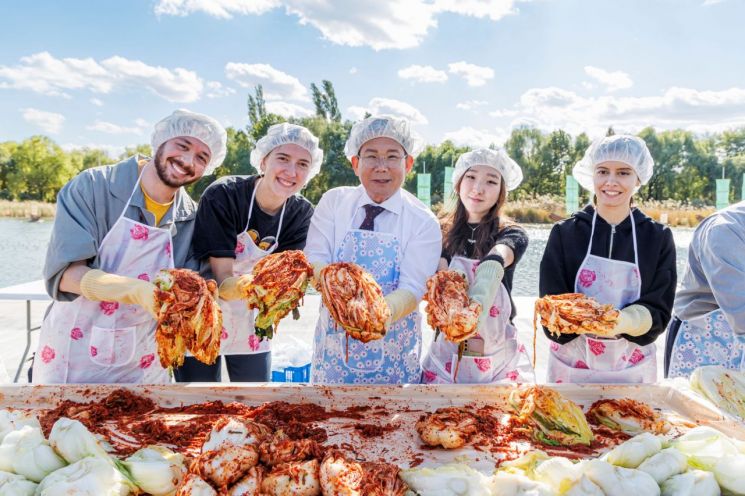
(555, 419)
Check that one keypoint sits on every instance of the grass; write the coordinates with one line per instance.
(546, 210)
(539, 210)
(26, 209)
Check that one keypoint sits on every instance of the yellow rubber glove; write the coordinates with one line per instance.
(235, 288)
(633, 320)
(401, 303)
(485, 285)
(97, 285)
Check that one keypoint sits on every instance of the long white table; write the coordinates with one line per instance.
(28, 291)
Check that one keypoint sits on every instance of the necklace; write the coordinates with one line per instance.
(472, 239)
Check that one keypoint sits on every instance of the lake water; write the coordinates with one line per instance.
(23, 246)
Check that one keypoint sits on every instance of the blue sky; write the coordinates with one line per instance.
(100, 73)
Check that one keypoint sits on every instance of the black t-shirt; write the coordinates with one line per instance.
(516, 238)
(223, 212)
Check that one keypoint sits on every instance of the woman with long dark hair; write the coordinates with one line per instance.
(486, 246)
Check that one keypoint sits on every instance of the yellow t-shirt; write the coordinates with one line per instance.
(155, 208)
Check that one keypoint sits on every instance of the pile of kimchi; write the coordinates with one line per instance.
(277, 286)
(449, 309)
(354, 300)
(189, 318)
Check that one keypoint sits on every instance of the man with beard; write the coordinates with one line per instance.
(116, 226)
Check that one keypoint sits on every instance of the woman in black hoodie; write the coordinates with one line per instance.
(616, 254)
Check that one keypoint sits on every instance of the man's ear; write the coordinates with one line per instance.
(355, 164)
(409, 163)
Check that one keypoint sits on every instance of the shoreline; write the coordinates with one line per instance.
(542, 210)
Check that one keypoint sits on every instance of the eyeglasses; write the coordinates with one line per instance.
(374, 161)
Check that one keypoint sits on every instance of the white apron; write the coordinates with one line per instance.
(238, 336)
(84, 341)
(605, 360)
(705, 340)
(394, 359)
(494, 355)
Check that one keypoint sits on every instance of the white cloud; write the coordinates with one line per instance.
(475, 75)
(111, 128)
(383, 24)
(476, 138)
(353, 70)
(613, 81)
(423, 74)
(388, 106)
(503, 113)
(676, 108)
(709, 3)
(215, 89)
(287, 109)
(493, 9)
(49, 122)
(277, 85)
(223, 9)
(97, 102)
(471, 104)
(43, 73)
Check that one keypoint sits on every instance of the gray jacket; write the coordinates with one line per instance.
(90, 204)
(715, 276)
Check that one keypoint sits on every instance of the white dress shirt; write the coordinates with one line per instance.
(412, 222)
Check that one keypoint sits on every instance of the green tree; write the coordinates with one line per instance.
(325, 101)
(41, 169)
(259, 120)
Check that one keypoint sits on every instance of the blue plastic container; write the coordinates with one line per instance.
(292, 374)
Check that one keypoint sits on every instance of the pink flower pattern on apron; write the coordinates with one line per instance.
(139, 232)
(94, 351)
(596, 347)
(239, 247)
(580, 365)
(144, 277)
(254, 342)
(76, 333)
(147, 360)
(483, 364)
(494, 312)
(47, 354)
(428, 376)
(586, 278)
(108, 307)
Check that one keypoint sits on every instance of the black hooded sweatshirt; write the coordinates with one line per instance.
(567, 247)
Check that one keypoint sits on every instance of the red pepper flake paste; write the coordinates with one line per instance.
(374, 430)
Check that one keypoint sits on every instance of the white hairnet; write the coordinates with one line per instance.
(283, 134)
(498, 159)
(384, 126)
(617, 148)
(204, 128)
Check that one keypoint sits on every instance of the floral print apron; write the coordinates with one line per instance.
(592, 359)
(84, 341)
(394, 359)
(501, 358)
(705, 340)
(238, 337)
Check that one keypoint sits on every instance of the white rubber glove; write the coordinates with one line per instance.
(401, 303)
(485, 285)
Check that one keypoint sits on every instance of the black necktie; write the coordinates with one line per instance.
(371, 211)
